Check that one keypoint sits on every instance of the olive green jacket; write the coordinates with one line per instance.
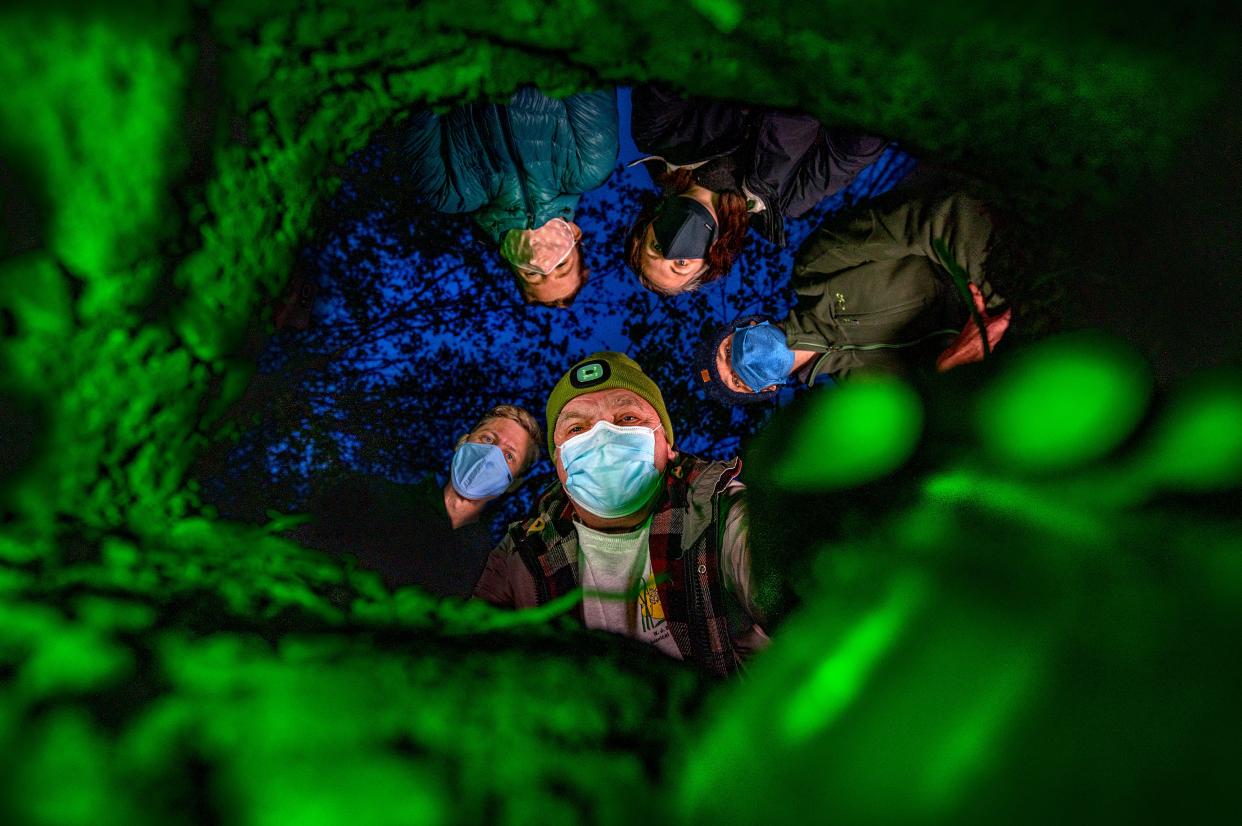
(872, 289)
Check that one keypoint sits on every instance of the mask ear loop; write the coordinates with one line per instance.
(573, 242)
(556, 449)
(660, 426)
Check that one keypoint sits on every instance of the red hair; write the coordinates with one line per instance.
(732, 221)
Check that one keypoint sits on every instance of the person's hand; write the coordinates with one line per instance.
(968, 346)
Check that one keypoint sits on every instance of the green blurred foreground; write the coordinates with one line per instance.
(1021, 594)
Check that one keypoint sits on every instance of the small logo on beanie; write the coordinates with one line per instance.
(590, 374)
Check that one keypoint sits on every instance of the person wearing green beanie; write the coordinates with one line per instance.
(655, 539)
(604, 371)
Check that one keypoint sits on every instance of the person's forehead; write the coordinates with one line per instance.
(602, 401)
(659, 271)
(556, 286)
(723, 364)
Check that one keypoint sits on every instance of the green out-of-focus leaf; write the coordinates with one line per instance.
(724, 14)
(1198, 442)
(68, 775)
(1063, 402)
(851, 435)
(838, 678)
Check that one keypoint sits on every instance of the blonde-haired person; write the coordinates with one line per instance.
(428, 534)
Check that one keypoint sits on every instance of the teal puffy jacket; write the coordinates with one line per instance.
(514, 166)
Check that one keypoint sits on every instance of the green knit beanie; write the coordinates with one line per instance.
(604, 371)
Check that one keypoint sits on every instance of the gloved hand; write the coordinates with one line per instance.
(968, 346)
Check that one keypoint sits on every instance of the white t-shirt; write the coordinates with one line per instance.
(619, 591)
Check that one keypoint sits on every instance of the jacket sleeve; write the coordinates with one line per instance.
(797, 163)
(593, 119)
(495, 585)
(782, 143)
(683, 130)
(955, 220)
(658, 118)
(434, 173)
(735, 566)
(830, 165)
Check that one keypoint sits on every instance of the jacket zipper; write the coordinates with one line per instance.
(831, 348)
(835, 348)
(531, 561)
(698, 645)
(899, 345)
(698, 594)
(506, 129)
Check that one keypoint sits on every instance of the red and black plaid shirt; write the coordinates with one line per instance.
(686, 568)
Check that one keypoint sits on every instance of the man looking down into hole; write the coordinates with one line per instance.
(427, 534)
(656, 539)
(724, 167)
(520, 168)
(879, 289)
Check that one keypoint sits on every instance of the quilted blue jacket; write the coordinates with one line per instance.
(515, 166)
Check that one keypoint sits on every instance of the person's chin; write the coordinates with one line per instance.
(598, 522)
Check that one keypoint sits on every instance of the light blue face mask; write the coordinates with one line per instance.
(479, 471)
(760, 356)
(609, 470)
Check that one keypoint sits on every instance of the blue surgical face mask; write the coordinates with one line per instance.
(479, 471)
(760, 357)
(610, 471)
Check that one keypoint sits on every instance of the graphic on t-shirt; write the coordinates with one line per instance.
(650, 609)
